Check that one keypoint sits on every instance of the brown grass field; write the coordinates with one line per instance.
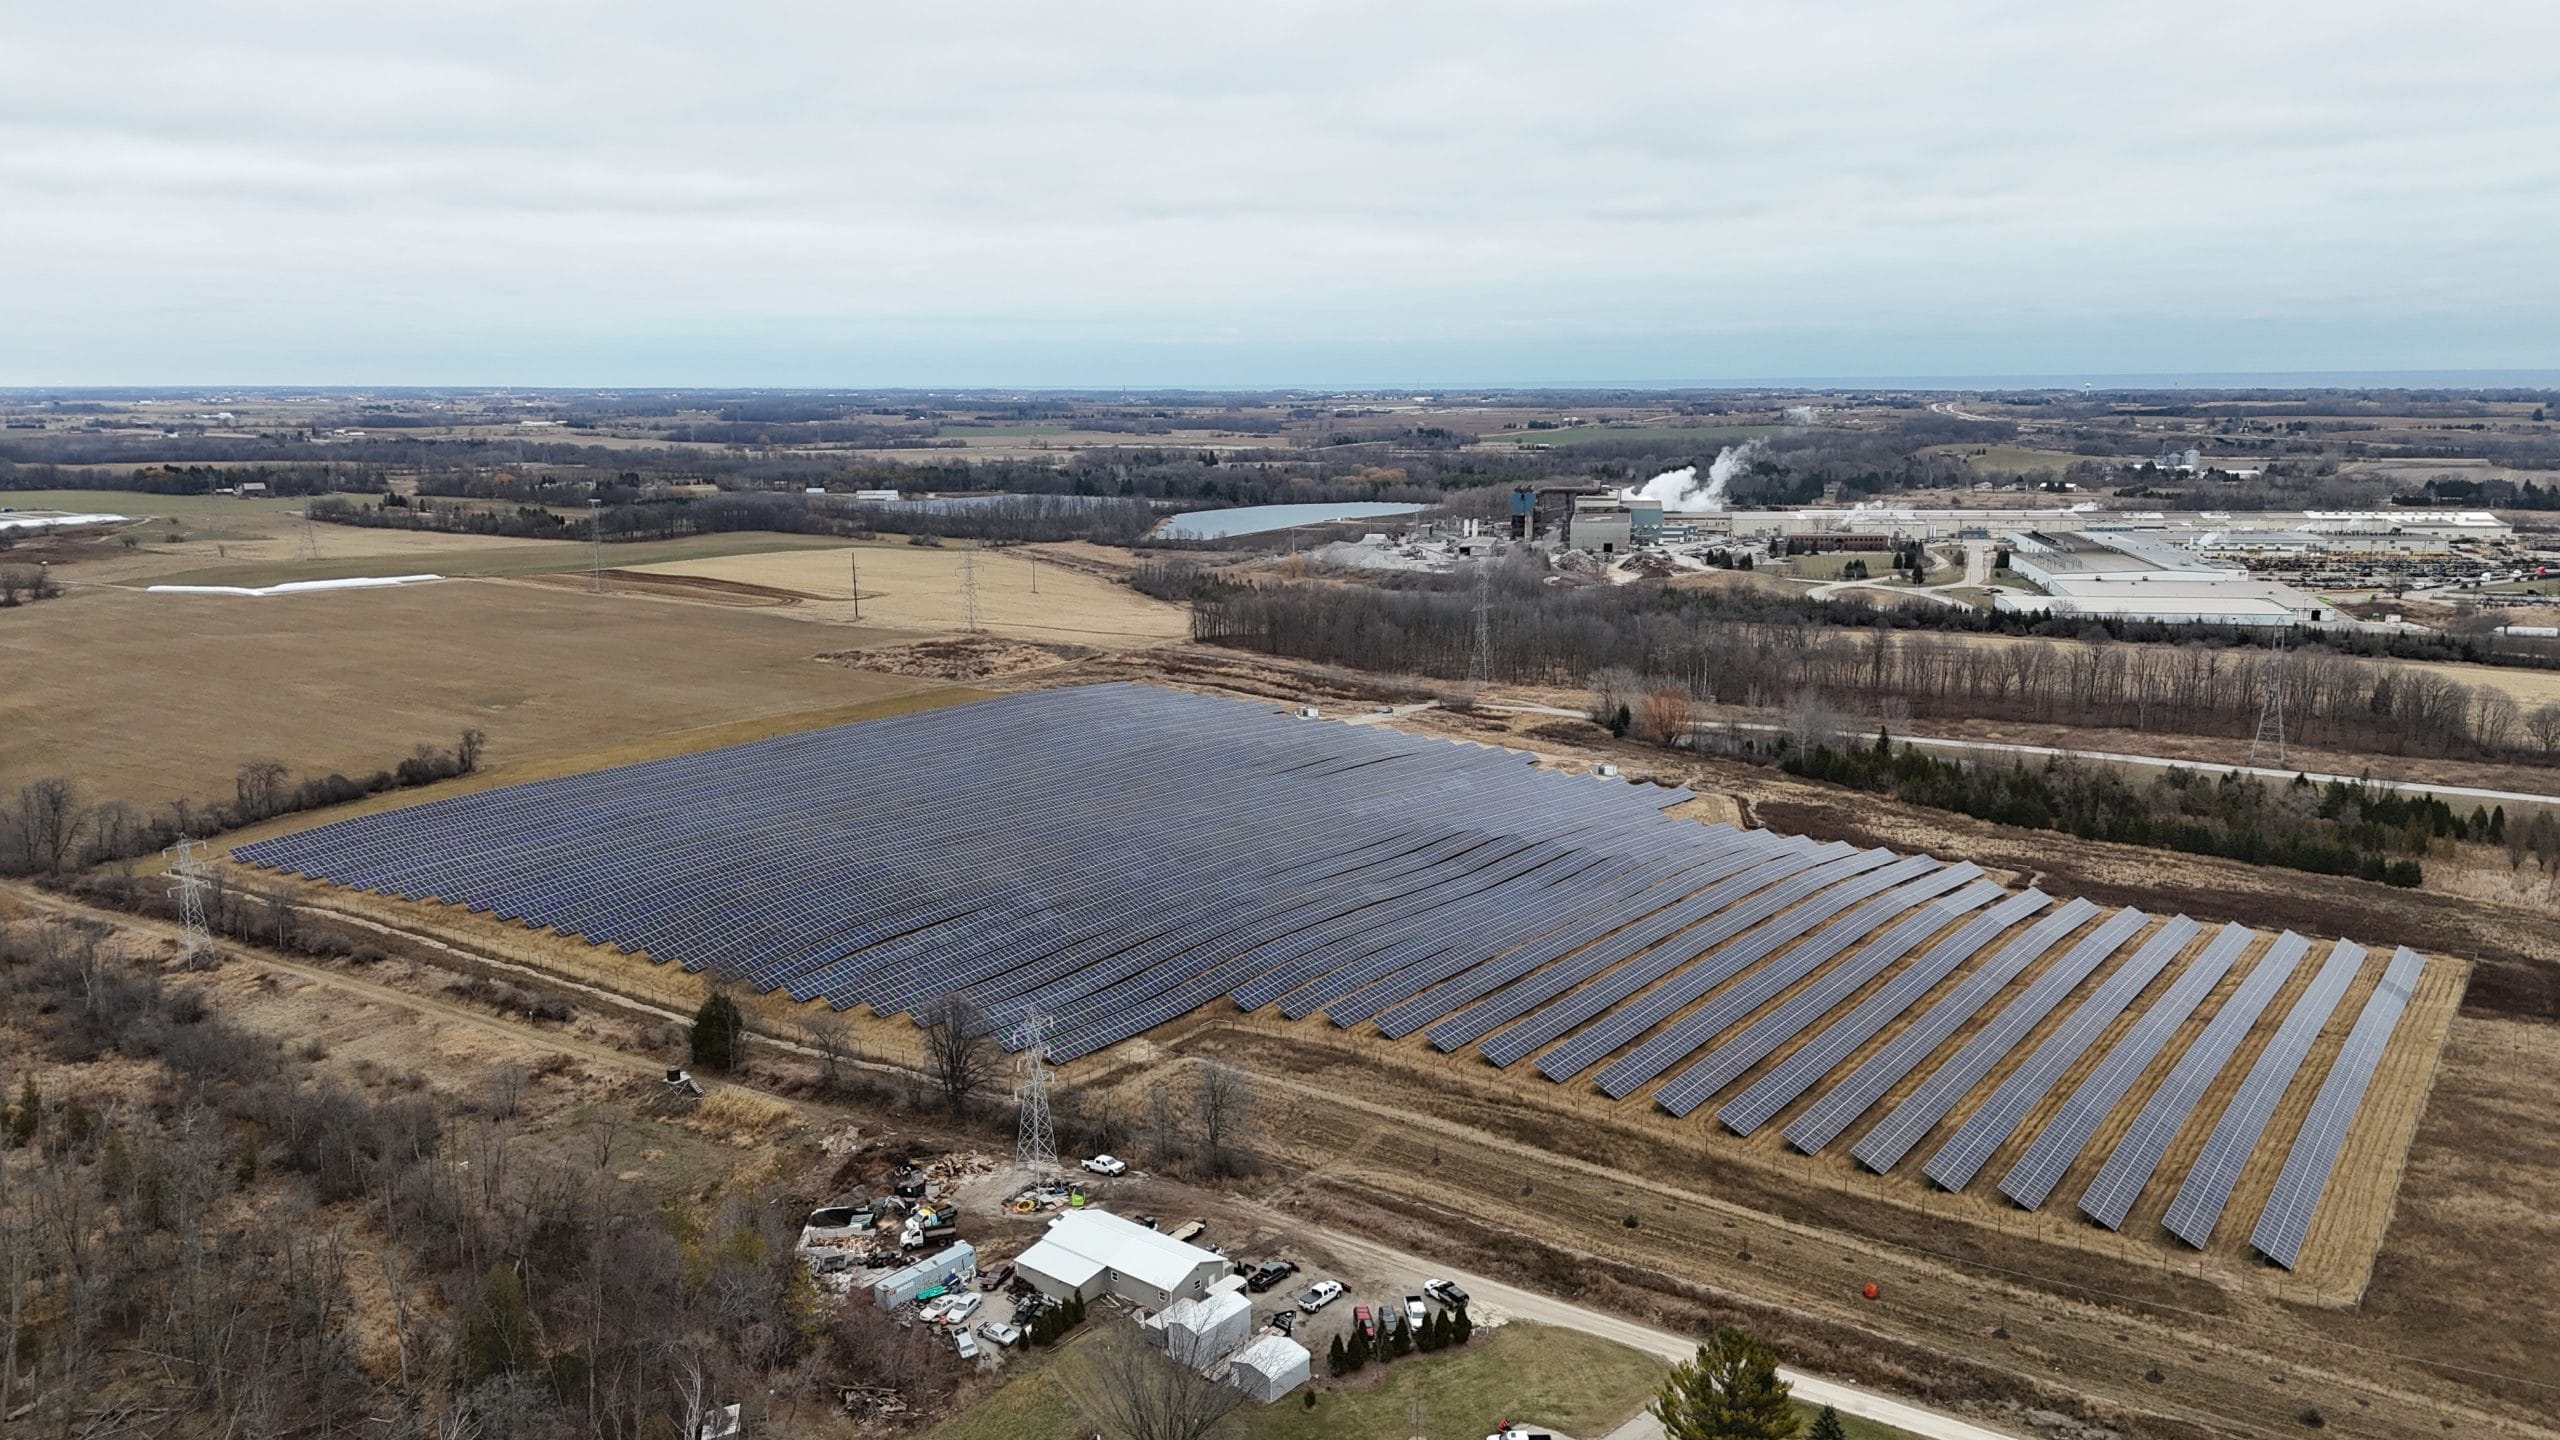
(918, 588)
(149, 697)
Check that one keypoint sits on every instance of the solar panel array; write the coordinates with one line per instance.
(2285, 1222)
(1117, 856)
(2197, 1208)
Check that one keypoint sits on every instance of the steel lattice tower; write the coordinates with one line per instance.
(2270, 737)
(853, 560)
(186, 869)
(1481, 671)
(1036, 1149)
(969, 588)
(310, 537)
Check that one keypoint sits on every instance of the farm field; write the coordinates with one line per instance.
(2005, 459)
(918, 588)
(479, 555)
(1631, 434)
(350, 681)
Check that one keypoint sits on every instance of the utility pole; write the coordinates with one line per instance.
(853, 559)
(186, 868)
(595, 545)
(1036, 1148)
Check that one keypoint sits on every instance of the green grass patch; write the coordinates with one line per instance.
(526, 557)
(1701, 435)
(1578, 1383)
(2005, 459)
(1828, 567)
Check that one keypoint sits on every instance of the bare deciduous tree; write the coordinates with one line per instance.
(1225, 1107)
(960, 1050)
(49, 823)
(828, 1033)
(1142, 1393)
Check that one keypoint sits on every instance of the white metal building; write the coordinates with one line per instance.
(1202, 1333)
(1270, 1367)
(1094, 1252)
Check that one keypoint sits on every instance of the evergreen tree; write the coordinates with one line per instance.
(1339, 1360)
(1461, 1329)
(1826, 1426)
(719, 1033)
(498, 1333)
(1358, 1349)
(26, 1114)
(1621, 722)
(1404, 1339)
(1730, 1391)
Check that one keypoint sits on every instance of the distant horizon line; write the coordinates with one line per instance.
(2058, 382)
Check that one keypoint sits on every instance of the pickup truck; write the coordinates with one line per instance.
(1447, 1292)
(1415, 1312)
(1319, 1295)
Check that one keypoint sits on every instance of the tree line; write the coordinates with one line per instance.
(2340, 828)
(1746, 650)
(48, 828)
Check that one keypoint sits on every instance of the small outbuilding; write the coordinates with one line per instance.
(1269, 1367)
(1201, 1333)
(1089, 1253)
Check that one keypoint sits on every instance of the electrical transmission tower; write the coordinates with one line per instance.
(186, 870)
(1037, 1148)
(969, 589)
(2270, 738)
(310, 536)
(853, 559)
(595, 546)
(1481, 671)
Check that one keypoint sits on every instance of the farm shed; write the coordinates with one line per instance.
(1269, 1368)
(1094, 1252)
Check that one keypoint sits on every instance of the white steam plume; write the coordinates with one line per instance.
(1679, 492)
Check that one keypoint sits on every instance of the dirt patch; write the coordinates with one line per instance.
(968, 657)
(680, 587)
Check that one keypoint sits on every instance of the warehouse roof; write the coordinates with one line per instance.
(1083, 1243)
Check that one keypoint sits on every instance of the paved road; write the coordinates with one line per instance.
(1547, 1310)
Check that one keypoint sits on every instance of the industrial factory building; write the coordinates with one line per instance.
(2113, 575)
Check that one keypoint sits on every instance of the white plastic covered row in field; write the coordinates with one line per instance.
(46, 521)
(297, 587)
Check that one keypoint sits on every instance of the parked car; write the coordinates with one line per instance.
(1415, 1312)
(1447, 1292)
(962, 1306)
(1359, 1317)
(997, 1278)
(999, 1333)
(1268, 1274)
(1107, 1165)
(1319, 1295)
(965, 1343)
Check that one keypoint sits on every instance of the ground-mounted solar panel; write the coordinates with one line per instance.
(1728, 1059)
(1822, 1121)
(1921, 1110)
(1706, 973)
(1541, 1026)
(1645, 926)
(2050, 1155)
(1996, 1118)
(2129, 1167)
(2197, 1208)
(1840, 1039)
(2284, 1223)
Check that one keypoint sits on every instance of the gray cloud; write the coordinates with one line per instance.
(1289, 192)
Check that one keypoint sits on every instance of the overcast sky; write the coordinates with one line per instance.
(1275, 193)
